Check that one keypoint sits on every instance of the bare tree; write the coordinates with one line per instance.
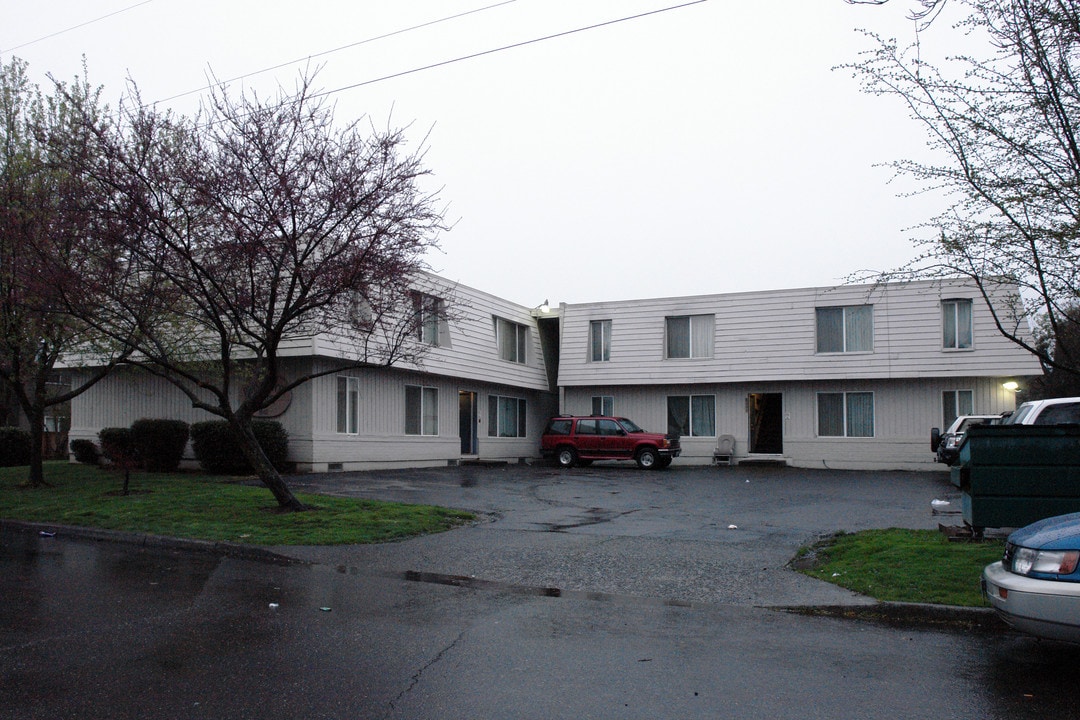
(928, 9)
(44, 236)
(253, 226)
(1004, 132)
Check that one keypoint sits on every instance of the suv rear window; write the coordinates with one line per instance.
(559, 427)
(1059, 414)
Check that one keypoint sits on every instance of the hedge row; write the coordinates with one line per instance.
(14, 447)
(158, 445)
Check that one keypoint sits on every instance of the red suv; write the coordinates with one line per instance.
(573, 440)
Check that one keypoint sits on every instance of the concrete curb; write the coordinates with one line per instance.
(146, 540)
(921, 615)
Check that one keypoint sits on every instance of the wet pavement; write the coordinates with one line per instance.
(599, 593)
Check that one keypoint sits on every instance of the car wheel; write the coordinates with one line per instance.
(648, 459)
(567, 457)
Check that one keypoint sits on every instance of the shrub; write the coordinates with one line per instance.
(116, 445)
(159, 444)
(14, 447)
(215, 446)
(85, 451)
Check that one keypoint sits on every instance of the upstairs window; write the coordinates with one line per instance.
(512, 339)
(845, 329)
(430, 312)
(956, 324)
(689, 336)
(599, 341)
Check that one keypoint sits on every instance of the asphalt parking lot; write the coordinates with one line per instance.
(685, 535)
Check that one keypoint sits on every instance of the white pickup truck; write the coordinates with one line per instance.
(1056, 411)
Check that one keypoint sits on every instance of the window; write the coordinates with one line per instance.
(956, 324)
(421, 410)
(845, 329)
(600, 340)
(506, 416)
(429, 315)
(348, 405)
(955, 403)
(511, 338)
(689, 336)
(846, 414)
(693, 415)
(603, 405)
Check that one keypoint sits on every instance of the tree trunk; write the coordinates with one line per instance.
(266, 471)
(36, 477)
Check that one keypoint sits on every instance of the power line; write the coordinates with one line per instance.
(507, 47)
(338, 49)
(76, 27)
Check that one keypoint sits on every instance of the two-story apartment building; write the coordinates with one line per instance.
(851, 376)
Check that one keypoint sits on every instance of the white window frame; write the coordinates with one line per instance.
(430, 312)
(846, 407)
(421, 410)
(850, 316)
(957, 332)
(499, 416)
(695, 412)
(603, 405)
(511, 340)
(599, 340)
(954, 406)
(348, 405)
(699, 333)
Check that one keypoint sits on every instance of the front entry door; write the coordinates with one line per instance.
(766, 412)
(467, 422)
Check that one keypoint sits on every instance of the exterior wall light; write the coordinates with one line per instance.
(1011, 386)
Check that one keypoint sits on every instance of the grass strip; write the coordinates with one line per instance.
(205, 507)
(897, 565)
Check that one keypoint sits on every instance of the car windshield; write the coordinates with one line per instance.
(629, 426)
(1019, 415)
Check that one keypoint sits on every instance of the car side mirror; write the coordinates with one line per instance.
(935, 439)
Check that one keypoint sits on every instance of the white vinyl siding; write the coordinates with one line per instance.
(348, 405)
(845, 329)
(689, 336)
(421, 410)
(957, 332)
(506, 416)
(692, 415)
(512, 339)
(848, 414)
(599, 340)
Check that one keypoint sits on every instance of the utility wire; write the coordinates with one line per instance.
(338, 49)
(506, 47)
(75, 27)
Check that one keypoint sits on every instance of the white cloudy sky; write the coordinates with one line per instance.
(709, 148)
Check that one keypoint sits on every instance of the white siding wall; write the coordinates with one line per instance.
(904, 412)
(770, 336)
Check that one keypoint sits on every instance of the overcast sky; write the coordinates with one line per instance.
(708, 148)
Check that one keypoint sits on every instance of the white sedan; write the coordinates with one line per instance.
(1036, 586)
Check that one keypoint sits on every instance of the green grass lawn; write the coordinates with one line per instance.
(194, 505)
(919, 566)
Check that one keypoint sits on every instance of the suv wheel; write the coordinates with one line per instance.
(567, 457)
(648, 459)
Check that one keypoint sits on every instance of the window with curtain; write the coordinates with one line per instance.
(689, 336)
(603, 405)
(692, 415)
(846, 414)
(430, 312)
(506, 416)
(599, 340)
(845, 329)
(348, 405)
(511, 338)
(956, 324)
(421, 410)
(955, 403)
